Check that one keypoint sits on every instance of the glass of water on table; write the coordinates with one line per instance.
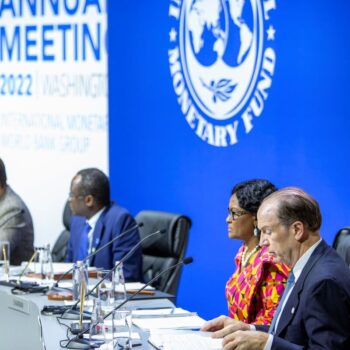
(5, 259)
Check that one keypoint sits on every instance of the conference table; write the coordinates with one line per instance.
(22, 326)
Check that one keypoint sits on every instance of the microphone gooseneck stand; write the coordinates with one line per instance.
(71, 313)
(99, 249)
(79, 342)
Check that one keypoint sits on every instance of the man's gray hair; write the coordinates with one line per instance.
(293, 204)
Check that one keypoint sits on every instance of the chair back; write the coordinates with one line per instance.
(163, 251)
(59, 249)
(342, 244)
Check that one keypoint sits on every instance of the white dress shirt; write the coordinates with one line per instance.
(92, 222)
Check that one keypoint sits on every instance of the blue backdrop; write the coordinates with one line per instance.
(301, 138)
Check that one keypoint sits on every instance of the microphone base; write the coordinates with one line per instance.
(75, 315)
(76, 329)
(82, 343)
(49, 310)
(10, 283)
(19, 287)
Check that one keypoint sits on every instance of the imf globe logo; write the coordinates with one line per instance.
(220, 64)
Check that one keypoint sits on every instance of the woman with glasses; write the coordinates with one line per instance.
(254, 290)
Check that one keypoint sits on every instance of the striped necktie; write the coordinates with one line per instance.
(289, 285)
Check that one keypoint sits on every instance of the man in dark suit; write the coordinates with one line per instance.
(314, 312)
(96, 221)
(16, 224)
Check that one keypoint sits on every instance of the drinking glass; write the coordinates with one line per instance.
(121, 330)
(80, 278)
(5, 258)
(97, 328)
(45, 259)
(119, 284)
(106, 288)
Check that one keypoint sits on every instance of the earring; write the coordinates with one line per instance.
(256, 231)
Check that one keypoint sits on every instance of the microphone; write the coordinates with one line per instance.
(99, 249)
(125, 257)
(18, 282)
(19, 287)
(27, 265)
(78, 342)
(184, 261)
(49, 310)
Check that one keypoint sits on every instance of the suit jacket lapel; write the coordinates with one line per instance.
(294, 298)
(97, 235)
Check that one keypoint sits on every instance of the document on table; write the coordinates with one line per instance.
(136, 286)
(184, 341)
(187, 320)
(109, 336)
(128, 286)
(154, 312)
(39, 281)
(58, 268)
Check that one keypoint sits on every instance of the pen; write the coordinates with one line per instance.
(145, 292)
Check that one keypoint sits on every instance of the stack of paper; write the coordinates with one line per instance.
(156, 312)
(92, 282)
(167, 318)
(109, 336)
(136, 286)
(184, 341)
(58, 268)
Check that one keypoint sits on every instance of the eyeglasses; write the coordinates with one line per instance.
(235, 214)
(73, 196)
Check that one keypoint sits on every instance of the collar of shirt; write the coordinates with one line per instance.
(93, 220)
(300, 264)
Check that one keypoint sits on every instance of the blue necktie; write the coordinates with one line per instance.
(84, 243)
(289, 285)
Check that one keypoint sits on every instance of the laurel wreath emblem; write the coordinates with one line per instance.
(222, 89)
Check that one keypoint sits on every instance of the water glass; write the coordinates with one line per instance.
(80, 278)
(97, 329)
(121, 330)
(36, 266)
(45, 259)
(5, 258)
(119, 284)
(106, 288)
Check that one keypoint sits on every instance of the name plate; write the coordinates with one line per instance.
(20, 305)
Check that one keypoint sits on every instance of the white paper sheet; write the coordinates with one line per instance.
(184, 322)
(184, 341)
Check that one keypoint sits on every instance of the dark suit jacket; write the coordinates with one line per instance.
(113, 221)
(16, 226)
(317, 313)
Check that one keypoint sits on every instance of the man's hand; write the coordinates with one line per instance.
(245, 340)
(223, 325)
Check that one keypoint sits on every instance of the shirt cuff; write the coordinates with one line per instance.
(252, 327)
(268, 344)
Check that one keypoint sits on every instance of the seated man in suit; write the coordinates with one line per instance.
(96, 221)
(314, 312)
(16, 225)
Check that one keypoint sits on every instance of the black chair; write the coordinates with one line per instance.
(342, 244)
(59, 249)
(161, 252)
